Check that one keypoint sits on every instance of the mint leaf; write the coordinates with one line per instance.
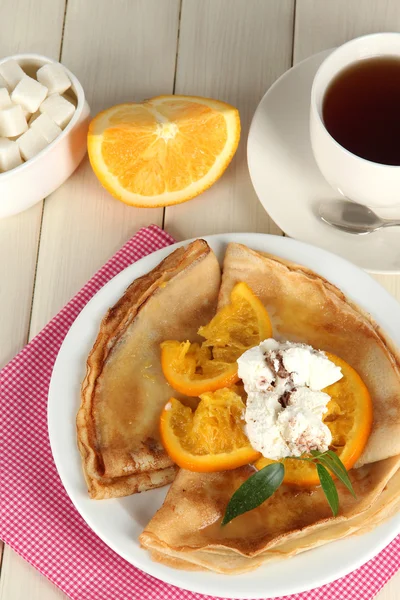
(329, 488)
(316, 453)
(254, 491)
(340, 470)
(332, 461)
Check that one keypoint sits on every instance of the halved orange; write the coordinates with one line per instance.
(163, 151)
(349, 419)
(211, 438)
(193, 369)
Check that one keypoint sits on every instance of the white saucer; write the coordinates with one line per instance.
(289, 183)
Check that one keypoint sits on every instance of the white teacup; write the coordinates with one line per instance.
(373, 184)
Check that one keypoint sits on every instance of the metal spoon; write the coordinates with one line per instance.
(352, 217)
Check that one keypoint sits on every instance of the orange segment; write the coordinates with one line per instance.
(190, 370)
(349, 419)
(240, 325)
(193, 369)
(163, 151)
(211, 438)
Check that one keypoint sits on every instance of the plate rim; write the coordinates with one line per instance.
(175, 578)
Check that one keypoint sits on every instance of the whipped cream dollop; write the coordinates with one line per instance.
(285, 404)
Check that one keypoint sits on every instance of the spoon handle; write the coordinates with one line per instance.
(390, 222)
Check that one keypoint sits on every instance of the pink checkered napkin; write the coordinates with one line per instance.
(38, 520)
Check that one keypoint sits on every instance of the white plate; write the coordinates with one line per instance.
(119, 522)
(288, 182)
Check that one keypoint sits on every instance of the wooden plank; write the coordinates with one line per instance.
(391, 283)
(20, 581)
(120, 51)
(19, 237)
(391, 591)
(31, 26)
(320, 25)
(232, 50)
(25, 26)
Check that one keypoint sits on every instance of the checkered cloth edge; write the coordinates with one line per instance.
(37, 518)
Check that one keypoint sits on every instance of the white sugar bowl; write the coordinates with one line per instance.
(33, 180)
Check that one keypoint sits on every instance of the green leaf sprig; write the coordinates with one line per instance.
(260, 486)
(254, 491)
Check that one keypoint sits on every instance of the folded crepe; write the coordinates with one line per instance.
(186, 532)
(304, 307)
(387, 504)
(124, 389)
(188, 525)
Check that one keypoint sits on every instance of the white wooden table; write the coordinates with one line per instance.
(124, 50)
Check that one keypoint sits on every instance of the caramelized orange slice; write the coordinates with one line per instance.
(190, 369)
(163, 151)
(240, 325)
(211, 438)
(193, 369)
(349, 419)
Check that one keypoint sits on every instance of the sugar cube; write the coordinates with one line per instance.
(4, 84)
(30, 143)
(9, 155)
(29, 93)
(46, 127)
(11, 72)
(5, 100)
(54, 77)
(58, 109)
(27, 113)
(12, 121)
(33, 117)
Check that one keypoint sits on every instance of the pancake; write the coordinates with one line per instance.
(104, 488)
(188, 525)
(304, 307)
(386, 505)
(186, 532)
(124, 389)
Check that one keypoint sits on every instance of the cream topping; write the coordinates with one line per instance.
(285, 404)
